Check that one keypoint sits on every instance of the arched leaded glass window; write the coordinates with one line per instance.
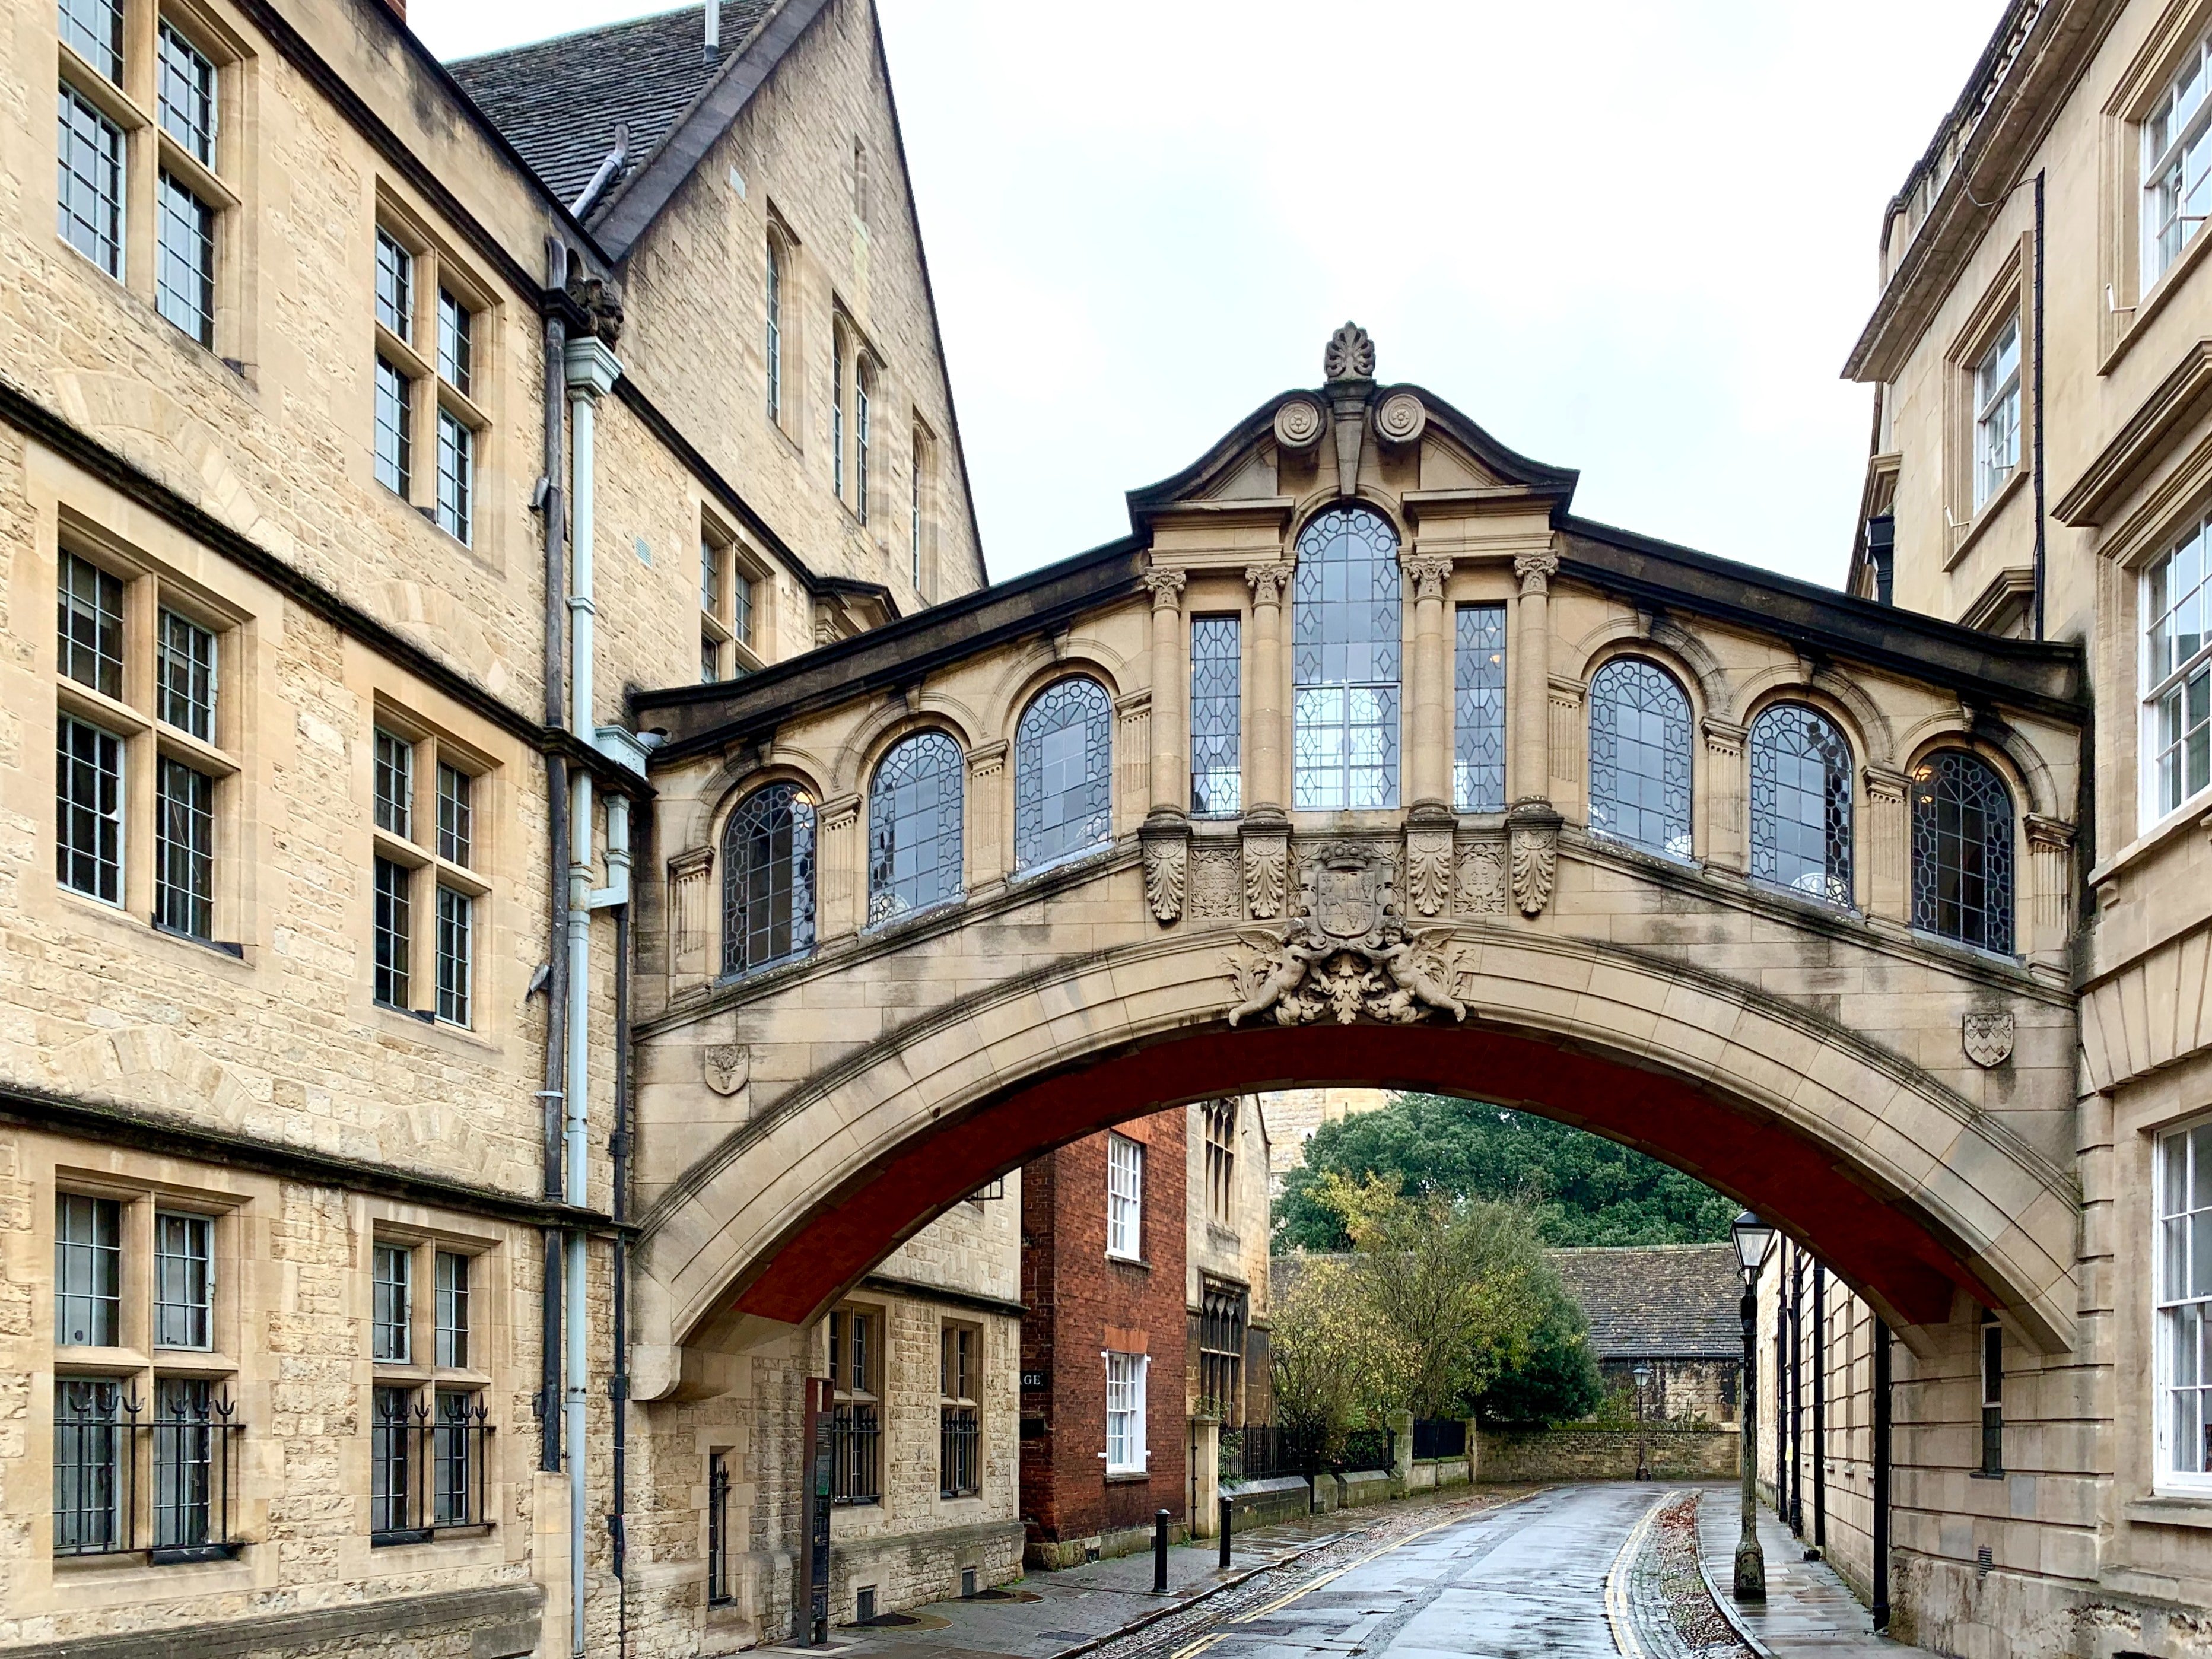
(1344, 651)
(767, 878)
(1639, 771)
(914, 826)
(1063, 773)
(1800, 803)
(1962, 851)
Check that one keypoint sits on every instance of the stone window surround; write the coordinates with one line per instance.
(135, 1361)
(425, 1238)
(418, 853)
(150, 149)
(2002, 304)
(2128, 300)
(2150, 811)
(150, 590)
(733, 561)
(438, 272)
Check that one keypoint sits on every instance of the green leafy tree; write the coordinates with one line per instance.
(1580, 1188)
(1556, 1381)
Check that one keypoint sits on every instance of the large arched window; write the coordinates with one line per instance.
(1345, 650)
(1639, 768)
(1063, 773)
(1800, 803)
(767, 878)
(1962, 851)
(914, 826)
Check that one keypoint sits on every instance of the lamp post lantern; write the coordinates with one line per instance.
(1754, 1239)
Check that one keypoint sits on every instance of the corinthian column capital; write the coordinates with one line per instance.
(1536, 570)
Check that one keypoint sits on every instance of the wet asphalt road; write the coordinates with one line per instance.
(1523, 1582)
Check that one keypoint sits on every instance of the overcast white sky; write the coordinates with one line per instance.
(1630, 238)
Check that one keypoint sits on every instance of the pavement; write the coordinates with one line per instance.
(1481, 1573)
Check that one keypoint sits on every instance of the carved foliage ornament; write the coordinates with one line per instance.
(1535, 863)
(1350, 355)
(1429, 873)
(1987, 1038)
(1167, 862)
(1347, 955)
(1265, 877)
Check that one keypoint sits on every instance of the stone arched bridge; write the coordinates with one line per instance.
(1362, 759)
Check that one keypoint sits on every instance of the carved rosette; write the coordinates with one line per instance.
(1535, 853)
(1299, 423)
(1401, 418)
(1167, 868)
(1348, 955)
(1428, 871)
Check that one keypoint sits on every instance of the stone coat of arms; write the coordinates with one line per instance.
(1987, 1038)
(1346, 955)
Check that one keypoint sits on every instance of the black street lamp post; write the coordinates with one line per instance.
(1643, 1375)
(1754, 1239)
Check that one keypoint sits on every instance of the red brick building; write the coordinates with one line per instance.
(1104, 1351)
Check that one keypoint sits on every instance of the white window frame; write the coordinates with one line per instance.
(1125, 1198)
(1996, 413)
(2168, 1309)
(1128, 1373)
(2157, 687)
(2162, 208)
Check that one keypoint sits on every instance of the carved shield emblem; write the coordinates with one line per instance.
(729, 1067)
(1987, 1037)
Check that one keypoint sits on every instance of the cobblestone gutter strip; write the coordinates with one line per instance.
(1662, 1604)
(1165, 1631)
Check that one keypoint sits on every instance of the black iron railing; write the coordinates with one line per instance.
(1439, 1437)
(718, 1530)
(855, 1445)
(1366, 1449)
(104, 1437)
(1259, 1450)
(428, 1464)
(959, 1453)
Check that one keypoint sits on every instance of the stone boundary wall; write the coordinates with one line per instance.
(1576, 1451)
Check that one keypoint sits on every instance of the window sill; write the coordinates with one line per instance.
(2197, 811)
(1066, 861)
(1984, 515)
(2171, 1510)
(1127, 1477)
(1136, 1261)
(2148, 304)
(1972, 953)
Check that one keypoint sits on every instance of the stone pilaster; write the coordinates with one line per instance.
(1269, 717)
(1132, 759)
(1428, 759)
(2047, 914)
(1724, 786)
(690, 919)
(1530, 654)
(1170, 726)
(839, 858)
(1886, 834)
(987, 813)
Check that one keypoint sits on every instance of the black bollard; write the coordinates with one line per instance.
(1228, 1512)
(1160, 1553)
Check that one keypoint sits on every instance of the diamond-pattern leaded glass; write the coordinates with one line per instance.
(767, 879)
(1346, 639)
(1478, 710)
(1962, 851)
(1800, 803)
(914, 827)
(1217, 779)
(1640, 757)
(1063, 774)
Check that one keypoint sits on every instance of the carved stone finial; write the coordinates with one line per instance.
(1350, 355)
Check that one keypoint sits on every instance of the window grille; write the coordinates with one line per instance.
(1800, 803)
(184, 259)
(959, 1430)
(457, 477)
(394, 939)
(183, 850)
(189, 1425)
(89, 810)
(457, 1447)
(914, 827)
(392, 1313)
(193, 1429)
(767, 879)
(456, 954)
(1478, 710)
(89, 188)
(1997, 413)
(184, 1280)
(395, 420)
(392, 1444)
(1124, 1196)
(2177, 165)
(1063, 774)
(1962, 852)
(92, 1467)
(719, 1592)
(1346, 643)
(2177, 674)
(187, 95)
(1217, 777)
(87, 1272)
(395, 287)
(1125, 1450)
(456, 343)
(90, 629)
(2183, 1296)
(1640, 757)
(452, 1312)
(428, 1463)
(456, 814)
(185, 669)
(94, 30)
(855, 1432)
(1224, 1314)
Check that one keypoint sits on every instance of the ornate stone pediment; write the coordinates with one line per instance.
(1347, 955)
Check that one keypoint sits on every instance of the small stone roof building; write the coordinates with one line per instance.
(1671, 1307)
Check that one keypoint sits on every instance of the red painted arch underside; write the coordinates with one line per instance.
(1886, 1249)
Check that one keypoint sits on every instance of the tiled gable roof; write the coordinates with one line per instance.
(1659, 1300)
(558, 101)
